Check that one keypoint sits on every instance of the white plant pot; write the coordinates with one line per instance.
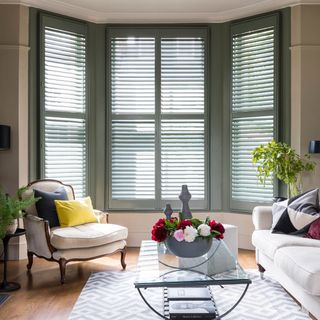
(12, 227)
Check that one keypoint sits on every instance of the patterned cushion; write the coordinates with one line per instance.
(294, 216)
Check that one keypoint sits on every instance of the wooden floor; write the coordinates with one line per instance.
(41, 296)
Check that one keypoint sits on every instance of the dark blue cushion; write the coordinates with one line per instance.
(46, 207)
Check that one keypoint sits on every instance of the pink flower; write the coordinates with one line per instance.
(178, 234)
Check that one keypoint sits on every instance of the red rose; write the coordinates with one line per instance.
(183, 224)
(159, 233)
(220, 228)
(212, 224)
(160, 223)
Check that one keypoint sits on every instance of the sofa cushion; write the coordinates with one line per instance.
(295, 215)
(269, 242)
(87, 235)
(302, 265)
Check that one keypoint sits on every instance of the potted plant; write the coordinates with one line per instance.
(280, 159)
(11, 209)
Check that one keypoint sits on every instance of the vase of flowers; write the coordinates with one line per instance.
(187, 238)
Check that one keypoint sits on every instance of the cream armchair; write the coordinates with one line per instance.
(79, 243)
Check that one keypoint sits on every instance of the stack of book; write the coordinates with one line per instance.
(190, 304)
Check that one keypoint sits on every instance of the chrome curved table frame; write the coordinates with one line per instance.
(157, 273)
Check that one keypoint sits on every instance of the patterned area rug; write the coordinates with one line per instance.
(3, 298)
(111, 295)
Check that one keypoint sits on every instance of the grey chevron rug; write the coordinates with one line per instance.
(112, 296)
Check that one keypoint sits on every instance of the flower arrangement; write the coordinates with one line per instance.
(187, 230)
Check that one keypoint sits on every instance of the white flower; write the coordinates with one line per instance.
(204, 230)
(190, 233)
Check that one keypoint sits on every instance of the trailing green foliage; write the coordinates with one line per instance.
(11, 208)
(280, 159)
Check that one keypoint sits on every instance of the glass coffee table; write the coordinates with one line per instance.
(159, 268)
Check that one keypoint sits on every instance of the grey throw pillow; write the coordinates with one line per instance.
(295, 215)
(46, 207)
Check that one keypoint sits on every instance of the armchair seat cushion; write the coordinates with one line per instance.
(87, 235)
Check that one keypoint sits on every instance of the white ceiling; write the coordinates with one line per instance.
(159, 11)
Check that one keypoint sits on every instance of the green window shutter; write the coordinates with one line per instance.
(182, 158)
(157, 129)
(254, 107)
(183, 100)
(64, 105)
(133, 75)
(133, 169)
(133, 124)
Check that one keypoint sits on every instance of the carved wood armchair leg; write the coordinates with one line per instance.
(30, 260)
(123, 256)
(261, 270)
(62, 265)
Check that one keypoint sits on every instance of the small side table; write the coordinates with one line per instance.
(5, 285)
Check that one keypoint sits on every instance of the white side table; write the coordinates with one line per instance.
(231, 238)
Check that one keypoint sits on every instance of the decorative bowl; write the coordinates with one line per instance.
(183, 249)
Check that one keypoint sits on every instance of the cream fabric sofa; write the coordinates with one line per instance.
(294, 261)
(79, 243)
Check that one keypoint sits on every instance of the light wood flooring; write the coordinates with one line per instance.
(41, 296)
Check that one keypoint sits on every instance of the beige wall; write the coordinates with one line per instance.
(305, 83)
(14, 30)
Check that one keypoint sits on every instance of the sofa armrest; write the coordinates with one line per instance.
(38, 236)
(102, 216)
(262, 217)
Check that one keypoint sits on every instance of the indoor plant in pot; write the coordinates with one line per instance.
(11, 209)
(280, 159)
(187, 238)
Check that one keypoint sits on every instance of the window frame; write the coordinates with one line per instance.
(217, 99)
(157, 32)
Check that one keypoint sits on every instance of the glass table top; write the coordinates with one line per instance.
(158, 267)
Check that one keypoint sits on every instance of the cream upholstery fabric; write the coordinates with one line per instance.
(262, 217)
(36, 237)
(88, 253)
(292, 259)
(269, 242)
(87, 235)
(302, 265)
(101, 215)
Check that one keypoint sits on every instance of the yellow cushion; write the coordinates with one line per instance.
(75, 212)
